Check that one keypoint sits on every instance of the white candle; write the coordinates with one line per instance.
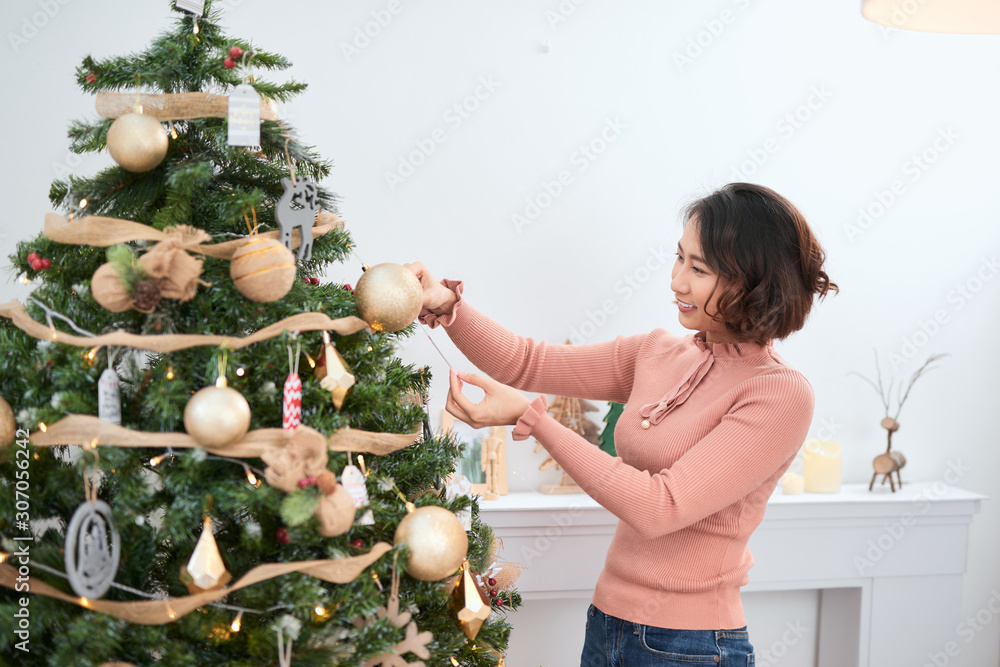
(792, 483)
(821, 466)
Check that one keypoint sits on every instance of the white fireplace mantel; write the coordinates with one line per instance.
(889, 565)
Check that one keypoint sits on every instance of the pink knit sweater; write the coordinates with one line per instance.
(724, 423)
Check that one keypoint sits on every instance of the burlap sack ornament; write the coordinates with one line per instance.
(177, 273)
(166, 271)
(300, 458)
(109, 290)
(336, 508)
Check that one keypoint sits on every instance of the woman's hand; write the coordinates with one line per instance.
(501, 406)
(437, 298)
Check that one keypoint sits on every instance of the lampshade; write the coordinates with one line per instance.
(954, 16)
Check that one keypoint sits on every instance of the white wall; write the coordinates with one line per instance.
(879, 99)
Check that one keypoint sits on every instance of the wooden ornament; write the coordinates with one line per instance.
(263, 270)
(388, 297)
(8, 425)
(137, 142)
(335, 512)
(108, 289)
(217, 416)
(438, 543)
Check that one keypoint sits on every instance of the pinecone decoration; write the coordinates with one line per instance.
(146, 296)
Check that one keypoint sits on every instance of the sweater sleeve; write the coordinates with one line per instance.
(601, 371)
(759, 435)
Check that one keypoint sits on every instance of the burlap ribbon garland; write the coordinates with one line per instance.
(160, 612)
(101, 232)
(176, 106)
(344, 326)
(76, 429)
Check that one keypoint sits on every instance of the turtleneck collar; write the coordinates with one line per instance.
(729, 350)
(653, 413)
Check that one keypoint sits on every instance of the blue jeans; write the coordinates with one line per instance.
(614, 642)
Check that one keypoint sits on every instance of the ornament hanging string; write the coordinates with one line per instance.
(223, 363)
(251, 230)
(284, 652)
(137, 107)
(291, 163)
(293, 357)
(90, 486)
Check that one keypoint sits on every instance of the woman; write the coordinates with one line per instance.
(711, 422)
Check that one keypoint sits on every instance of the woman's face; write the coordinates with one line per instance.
(692, 283)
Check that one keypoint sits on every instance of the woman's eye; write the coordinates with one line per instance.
(696, 269)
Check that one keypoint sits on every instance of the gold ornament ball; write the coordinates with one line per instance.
(263, 270)
(137, 142)
(438, 543)
(389, 297)
(8, 425)
(217, 416)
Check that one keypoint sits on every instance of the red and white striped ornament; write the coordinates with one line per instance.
(291, 400)
(292, 403)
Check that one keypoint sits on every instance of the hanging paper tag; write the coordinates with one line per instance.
(244, 116)
(109, 403)
(292, 403)
(461, 487)
(354, 481)
(194, 6)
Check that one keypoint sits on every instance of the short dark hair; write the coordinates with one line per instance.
(769, 263)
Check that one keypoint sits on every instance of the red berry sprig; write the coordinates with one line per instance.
(282, 536)
(235, 53)
(311, 280)
(91, 78)
(357, 544)
(306, 482)
(39, 263)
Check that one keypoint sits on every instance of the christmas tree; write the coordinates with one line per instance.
(607, 439)
(173, 491)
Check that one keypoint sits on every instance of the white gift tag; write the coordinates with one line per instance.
(109, 403)
(193, 6)
(244, 116)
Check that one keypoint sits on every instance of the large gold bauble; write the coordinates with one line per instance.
(217, 416)
(263, 269)
(137, 142)
(8, 425)
(389, 297)
(438, 543)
